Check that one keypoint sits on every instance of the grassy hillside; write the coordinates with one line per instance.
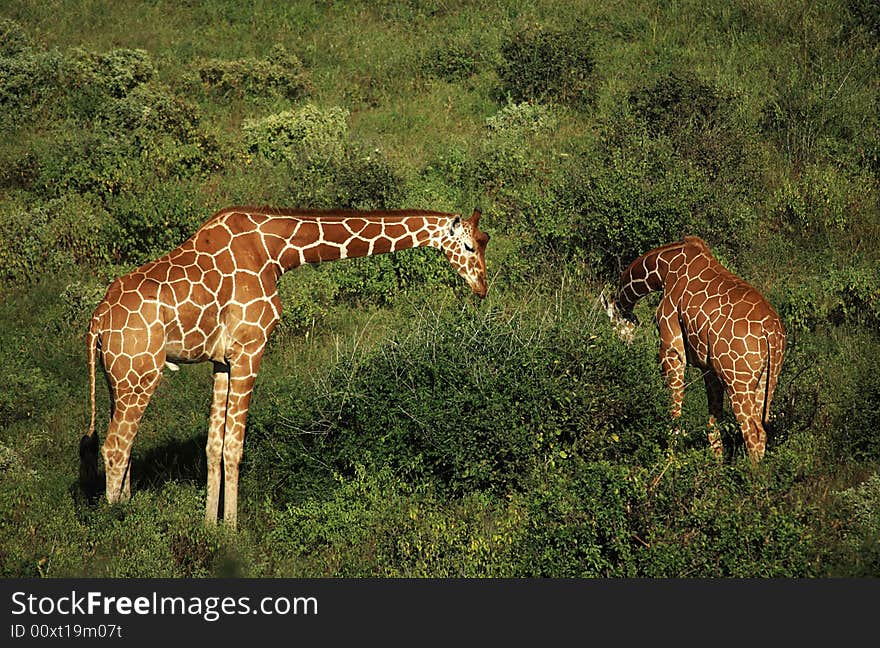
(399, 427)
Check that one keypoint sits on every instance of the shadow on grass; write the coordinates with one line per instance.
(177, 460)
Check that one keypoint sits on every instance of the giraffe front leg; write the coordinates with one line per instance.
(673, 364)
(672, 354)
(715, 401)
(214, 446)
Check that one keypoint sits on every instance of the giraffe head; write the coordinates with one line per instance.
(623, 323)
(465, 247)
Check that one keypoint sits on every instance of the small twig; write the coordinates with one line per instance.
(656, 480)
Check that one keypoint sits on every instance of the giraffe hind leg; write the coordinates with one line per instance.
(715, 401)
(748, 412)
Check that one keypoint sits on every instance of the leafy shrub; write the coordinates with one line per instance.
(309, 135)
(114, 73)
(13, 38)
(823, 198)
(28, 79)
(48, 237)
(78, 302)
(548, 65)
(507, 155)
(453, 60)
(306, 295)
(379, 280)
(365, 181)
(375, 524)
(697, 117)
(434, 402)
(679, 102)
(856, 291)
(848, 296)
(859, 415)
(621, 209)
(282, 74)
(716, 521)
(802, 306)
(580, 524)
(858, 514)
(156, 219)
(517, 121)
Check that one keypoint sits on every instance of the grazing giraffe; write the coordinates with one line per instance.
(714, 320)
(215, 299)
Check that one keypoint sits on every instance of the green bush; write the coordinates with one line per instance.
(365, 180)
(306, 296)
(375, 524)
(308, 135)
(549, 65)
(716, 521)
(507, 158)
(156, 219)
(847, 296)
(822, 199)
(434, 402)
(453, 59)
(613, 212)
(858, 420)
(282, 75)
(700, 121)
(858, 517)
(13, 38)
(580, 523)
(46, 238)
(29, 79)
(115, 73)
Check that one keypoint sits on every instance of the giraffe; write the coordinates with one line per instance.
(710, 318)
(214, 299)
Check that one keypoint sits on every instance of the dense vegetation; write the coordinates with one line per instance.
(400, 428)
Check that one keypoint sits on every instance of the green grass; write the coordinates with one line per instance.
(400, 428)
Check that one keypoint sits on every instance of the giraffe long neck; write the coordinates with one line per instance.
(315, 236)
(644, 275)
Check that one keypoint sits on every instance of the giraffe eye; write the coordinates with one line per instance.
(468, 247)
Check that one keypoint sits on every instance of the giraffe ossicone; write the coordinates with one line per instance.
(214, 299)
(708, 318)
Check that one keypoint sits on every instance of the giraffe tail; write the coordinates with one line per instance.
(88, 444)
(774, 364)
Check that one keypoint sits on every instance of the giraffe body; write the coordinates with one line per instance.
(214, 299)
(709, 318)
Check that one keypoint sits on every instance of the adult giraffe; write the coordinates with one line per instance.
(214, 299)
(714, 320)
